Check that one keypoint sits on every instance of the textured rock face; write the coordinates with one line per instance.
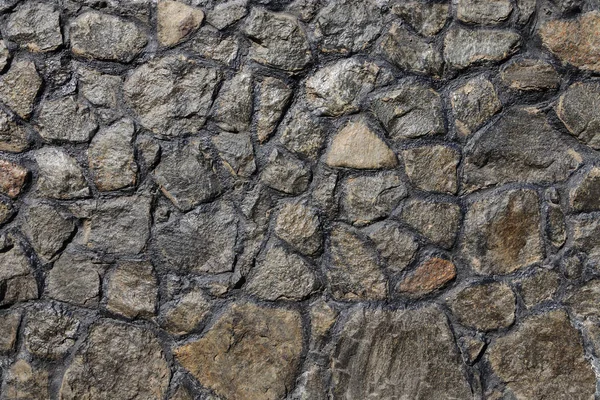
(65, 119)
(429, 276)
(576, 110)
(35, 26)
(485, 307)
(19, 86)
(176, 21)
(530, 75)
(464, 47)
(473, 104)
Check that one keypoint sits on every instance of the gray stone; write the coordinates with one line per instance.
(338, 88)
(19, 87)
(13, 136)
(305, 10)
(310, 385)
(385, 354)
(585, 231)
(23, 381)
(233, 108)
(285, 173)
(237, 153)
(530, 75)
(431, 275)
(353, 271)
(323, 191)
(473, 104)
(215, 45)
(180, 110)
(101, 36)
(432, 168)
(12, 178)
(7, 210)
(182, 316)
(303, 134)
(543, 359)
(277, 40)
(35, 26)
(66, 119)
(16, 277)
(274, 98)
(49, 333)
(227, 13)
(132, 290)
(394, 244)
(10, 322)
(526, 9)
(438, 221)
(425, 18)
(485, 307)
(540, 286)
(47, 228)
(555, 228)
(117, 361)
(175, 21)
(100, 89)
(577, 107)
(483, 11)
(464, 47)
(585, 191)
(298, 224)
(74, 279)
(367, 198)
(60, 176)
(502, 232)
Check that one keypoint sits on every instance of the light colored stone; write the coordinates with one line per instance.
(23, 381)
(299, 225)
(132, 290)
(428, 277)
(47, 228)
(432, 168)
(12, 178)
(483, 11)
(465, 47)
(9, 328)
(49, 333)
(176, 21)
(274, 98)
(233, 108)
(35, 26)
(227, 13)
(182, 316)
(60, 176)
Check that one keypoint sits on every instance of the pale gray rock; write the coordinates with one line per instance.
(487, 12)
(16, 276)
(303, 134)
(285, 173)
(215, 45)
(60, 176)
(298, 224)
(465, 47)
(485, 307)
(227, 13)
(182, 315)
(49, 332)
(34, 25)
(132, 290)
(9, 329)
(19, 87)
(432, 168)
(274, 98)
(577, 109)
(47, 228)
(175, 21)
(66, 119)
(100, 89)
(438, 221)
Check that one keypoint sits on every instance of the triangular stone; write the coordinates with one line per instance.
(176, 21)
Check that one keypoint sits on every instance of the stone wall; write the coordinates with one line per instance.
(301, 200)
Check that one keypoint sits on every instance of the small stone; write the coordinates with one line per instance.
(473, 104)
(583, 195)
(16, 277)
(410, 52)
(12, 178)
(281, 275)
(427, 19)
(49, 333)
(35, 26)
(338, 88)
(367, 198)
(488, 12)
(543, 359)
(303, 134)
(412, 110)
(539, 287)
(233, 107)
(274, 97)
(432, 168)
(438, 221)
(132, 290)
(429, 276)
(305, 10)
(228, 13)
(74, 279)
(323, 192)
(286, 173)
(60, 176)
(277, 40)
(322, 318)
(577, 107)
(555, 225)
(250, 353)
(464, 47)
(485, 307)
(181, 394)
(353, 272)
(396, 246)
(584, 301)
(530, 75)
(215, 45)
(176, 21)
(502, 233)
(100, 89)
(13, 136)
(66, 119)
(585, 231)
(573, 40)
(47, 228)
(24, 382)
(184, 314)
(100, 36)
(19, 87)
(9, 328)
(117, 361)
(148, 150)
(472, 347)
(299, 225)
(526, 10)
(237, 153)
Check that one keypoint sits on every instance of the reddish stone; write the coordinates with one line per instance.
(12, 178)
(429, 276)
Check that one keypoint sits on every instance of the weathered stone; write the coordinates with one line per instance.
(9, 328)
(277, 40)
(4, 54)
(353, 272)
(187, 178)
(66, 119)
(60, 176)
(227, 13)
(526, 9)
(214, 45)
(233, 107)
(310, 385)
(175, 21)
(432, 168)
(539, 287)
(472, 347)
(19, 87)
(323, 191)
(429, 276)
(347, 26)
(502, 232)
(425, 18)
(117, 361)
(74, 279)
(520, 147)
(410, 52)
(12, 178)
(47, 228)
(409, 111)
(464, 47)
(250, 353)
(584, 301)
(585, 231)
(396, 246)
(24, 381)
(356, 145)
(473, 104)
(322, 318)
(305, 10)
(555, 225)
(132, 290)
(438, 221)
(298, 224)
(203, 240)
(485, 307)
(100, 89)
(303, 134)
(49, 333)
(35, 26)
(7, 210)
(281, 275)
(543, 359)
(16, 277)
(181, 394)
(13, 136)
(274, 98)
(183, 315)
(286, 173)
(577, 107)
(338, 88)
(237, 153)
(100, 36)
(483, 11)
(583, 195)
(181, 109)
(573, 41)
(410, 354)
(530, 75)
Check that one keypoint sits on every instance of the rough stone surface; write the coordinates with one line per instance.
(184, 314)
(61, 177)
(50, 333)
(175, 21)
(303, 134)
(35, 26)
(74, 279)
(274, 97)
(19, 87)
(530, 75)
(236, 153)
(425, 18)
(429, 276)
(227, 13)
(66, 119)
(437, 221)
(485, 307)
(47, 228)
(233, 107)
(583, 196)
(16, 276)
(432, 168)
(132, 290)
(286, 173)
(12, 178)
(576, 109)
(473, 104)
(483, 11)
(215, 45)
(394, 244)
(24, 381)
(13, 136)
(464, 47)
(539, 287)
(9, 329)
(299, 225)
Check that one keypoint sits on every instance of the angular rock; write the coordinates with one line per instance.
(35, 26)
(12, 178)
(185, 313)
(274, 98)
(539, 287)
(117, 361)
(250, 353)
(544, 358)
(47, 228)
(530, 75)
(175, 21)
(322, 318)
(438, 221)
(49, 333)
(464, 47)
(303, 134)
(396, 246)
(9, 329)
(398, 354)
(237, 153)
(24, 381)
(585, 231)
(215, 45)
(367, 198)
(584, 301)
(16, 277)
(19, 87)
(429, 276)
(233, 107)
(299, 225)
(432, 168)
(100, 89)
(485, 307)
(66, 119)
(100, 36)
(473, 104)
(353, 272)
(323, 192)
(74, 279)
(583, 195)
(502, 232)
(228, 13)
(357, 146)
(488, 12)
(338, 88)
(181, 109)
(4, 55)
(277, 40)
(286, 173)
(576, 109)
(60, 176)
(425, 18)
(13, 136)
(409, 111)
(132, 290)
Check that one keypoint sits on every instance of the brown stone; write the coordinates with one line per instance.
(176, 21)
(12, 178)
(25, 382)
(432, 168)
(183, 315)
(132, 290)
(530, 75)
(9, 328)
(429, 276)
